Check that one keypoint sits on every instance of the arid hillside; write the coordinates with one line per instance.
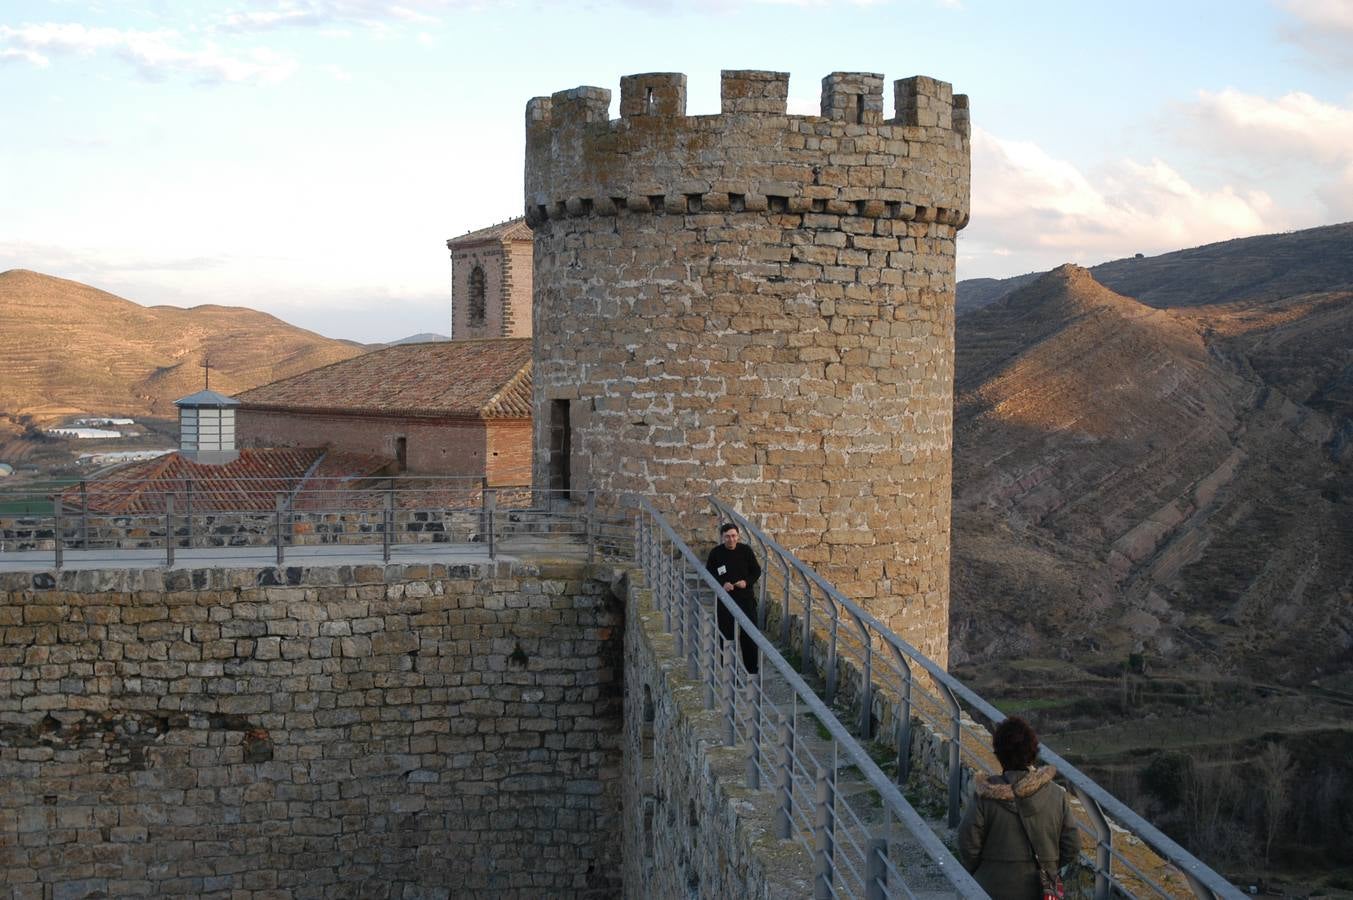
(1174, 483)
(67, 348)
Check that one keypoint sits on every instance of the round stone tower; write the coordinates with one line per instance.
(759, 306)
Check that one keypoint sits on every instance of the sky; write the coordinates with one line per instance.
(310, 158)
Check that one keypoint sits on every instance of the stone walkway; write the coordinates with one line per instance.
(923, 878)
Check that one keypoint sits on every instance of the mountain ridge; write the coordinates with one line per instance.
(72, 348)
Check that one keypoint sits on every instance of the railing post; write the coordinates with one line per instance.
(903, 718)
(278, 537)
(866, 727)
(58, 540)
(761, 587)
(830, 688)
(590, 523)
(690, 612)
(728, 677)
(484, 505)
(711, 646)
(754, 752)
(825, 833)
(387, 523)
(490, 515)
(1104, 846)
(955, 748)
(168, 530)
(784, 607)
(806, 661)
(784, 815)
(84, 514)
(188, 512)
(876, 869)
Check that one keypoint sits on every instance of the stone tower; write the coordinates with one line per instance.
(761, 306)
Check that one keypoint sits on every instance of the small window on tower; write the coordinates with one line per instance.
(478, 304)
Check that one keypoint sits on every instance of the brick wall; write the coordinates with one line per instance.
(490, 257)
(415, 731)
(517, 317)
(435, 446)
(762, 306)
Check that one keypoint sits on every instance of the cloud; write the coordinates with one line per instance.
(154, 54)
(1324, 28)
(325, 13)
(13, 54)
(1294, 124)
(1293, 131)
(1031, 209)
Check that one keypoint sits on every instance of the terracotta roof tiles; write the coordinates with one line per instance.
(472, 379)
(511, 230)
(251, 482)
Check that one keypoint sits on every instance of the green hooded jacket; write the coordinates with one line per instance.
(992, 845)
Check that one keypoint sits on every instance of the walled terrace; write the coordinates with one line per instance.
(533, 725)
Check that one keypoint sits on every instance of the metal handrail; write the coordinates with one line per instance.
(335, 524)
(696, 639)
(1203, 880)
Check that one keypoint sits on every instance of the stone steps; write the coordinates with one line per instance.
(854, 793)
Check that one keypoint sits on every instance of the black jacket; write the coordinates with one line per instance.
(739, 564)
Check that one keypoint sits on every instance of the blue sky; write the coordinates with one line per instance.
(310, 158)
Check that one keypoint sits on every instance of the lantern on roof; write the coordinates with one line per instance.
(207, 427)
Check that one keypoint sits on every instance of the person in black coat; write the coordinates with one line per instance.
(734, 566)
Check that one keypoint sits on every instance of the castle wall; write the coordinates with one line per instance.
(460, 447)
(691, 826)
(760, 306)
(402, 731)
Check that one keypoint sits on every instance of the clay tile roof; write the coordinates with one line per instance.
(464, 379)
(511, 230)
(251, 482)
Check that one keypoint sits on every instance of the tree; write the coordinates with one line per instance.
(1276, 769)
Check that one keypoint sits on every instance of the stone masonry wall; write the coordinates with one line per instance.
(402, 732)
(691, 826)
(760, 305)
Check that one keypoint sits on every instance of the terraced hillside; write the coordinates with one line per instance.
(1168, 482)
(67, 348)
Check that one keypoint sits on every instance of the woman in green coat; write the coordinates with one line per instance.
(994, 845)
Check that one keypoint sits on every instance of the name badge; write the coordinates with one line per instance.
(721, 570)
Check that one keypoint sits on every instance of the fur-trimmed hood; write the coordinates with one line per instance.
(994, 786)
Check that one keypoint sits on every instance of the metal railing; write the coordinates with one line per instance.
(796, 747)
(267, 517)
(867, 668)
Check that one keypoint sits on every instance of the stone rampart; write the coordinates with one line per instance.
(691, 826)
(759, 305)
(402, 731)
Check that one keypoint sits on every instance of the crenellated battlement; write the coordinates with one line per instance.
(758, 303)
(753, 156)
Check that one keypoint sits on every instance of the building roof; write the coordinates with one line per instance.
(206, 398)
(511, 230)
(251, 482)
(483, 379)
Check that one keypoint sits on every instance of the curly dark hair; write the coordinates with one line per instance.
(1015, 743)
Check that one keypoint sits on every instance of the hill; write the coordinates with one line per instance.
(1265, 267)
(1173, 482)
(71, 348)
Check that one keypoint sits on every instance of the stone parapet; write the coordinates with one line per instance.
(753, 156)
(311, 732)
